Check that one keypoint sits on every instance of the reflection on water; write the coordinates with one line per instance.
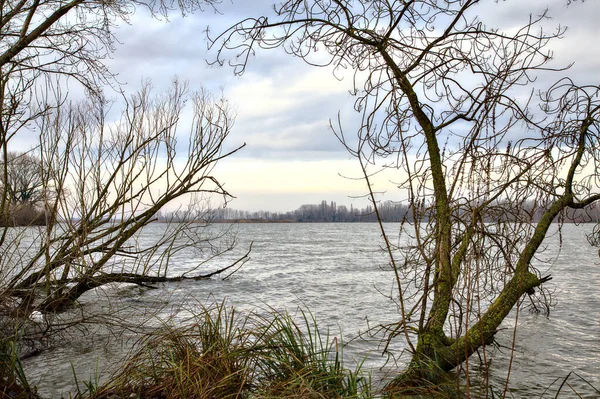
(338, 273)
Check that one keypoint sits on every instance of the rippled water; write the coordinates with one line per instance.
(338, 272)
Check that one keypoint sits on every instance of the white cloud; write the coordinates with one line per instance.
(284, 105)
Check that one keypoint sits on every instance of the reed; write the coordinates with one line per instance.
(13, 381)
(296, 361)
(202, 360)
(224, 354)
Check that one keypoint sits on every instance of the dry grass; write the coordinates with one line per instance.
(225, 355)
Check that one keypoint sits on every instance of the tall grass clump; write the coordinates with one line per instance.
(296, 361)
(13, 381)
(202, 360)
(223, 354)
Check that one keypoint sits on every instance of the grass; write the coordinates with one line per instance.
(13, 381)
(296, 361)
(223, 354)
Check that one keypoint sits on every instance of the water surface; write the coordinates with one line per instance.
(340, 274)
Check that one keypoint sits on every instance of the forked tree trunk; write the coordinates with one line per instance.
(436, 354)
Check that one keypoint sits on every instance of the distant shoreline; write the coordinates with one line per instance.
(257, 221)
(264, 221)
(267, 221)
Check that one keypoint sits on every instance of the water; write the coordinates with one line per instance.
(338, 272)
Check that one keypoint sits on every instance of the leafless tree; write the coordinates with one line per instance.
(22, 184)
(24, 178)
(98, 180)
(110, 182)
(451, 104)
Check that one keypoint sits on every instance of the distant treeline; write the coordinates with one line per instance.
(389, 211)
(325, 212)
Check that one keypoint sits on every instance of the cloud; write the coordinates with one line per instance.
(578, 42)
(285, 114)
(284, 105)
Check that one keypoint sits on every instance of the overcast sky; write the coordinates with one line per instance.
(283, 106)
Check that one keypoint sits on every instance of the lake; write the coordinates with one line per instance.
(339, 273)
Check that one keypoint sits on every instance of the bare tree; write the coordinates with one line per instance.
(24, 178)
(97, 181)
(451, 104)
(47, 43)
(110, 182)
(22, 184)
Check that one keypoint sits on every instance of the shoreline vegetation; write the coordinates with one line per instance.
(388, 211)
(324, 212)
(221, 352)
(218, 353)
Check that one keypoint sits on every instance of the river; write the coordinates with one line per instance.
(339, 273)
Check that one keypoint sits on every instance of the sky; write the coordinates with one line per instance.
(284, 106)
